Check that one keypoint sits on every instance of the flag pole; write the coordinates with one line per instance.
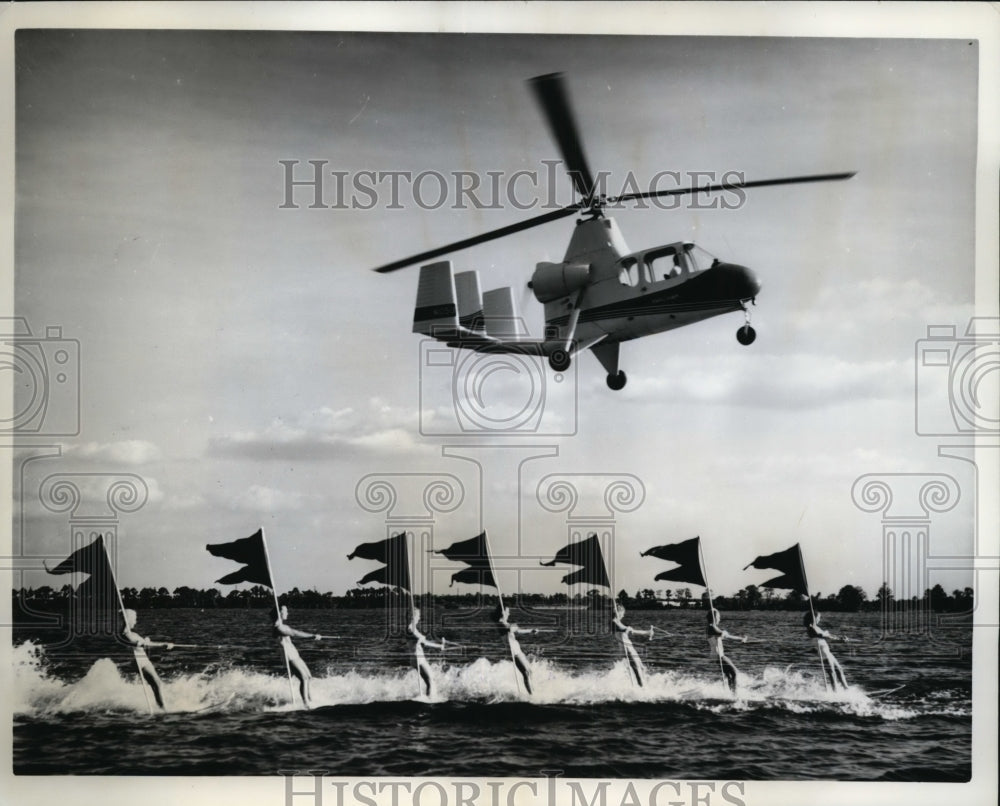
(409, 569)
(121, 606)
(409, 572)
(489, 556)
(711, 608)
(812, 613)
(277, 608)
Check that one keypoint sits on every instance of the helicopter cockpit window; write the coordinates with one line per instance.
(691, 253)
(666, 264)
(629, 274)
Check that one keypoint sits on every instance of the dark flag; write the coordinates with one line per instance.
(394, 554)
(587, 553)
(687, 554)
(789, 562)
(251, 553)
(91, 559)
(589, 575)
(475, 554)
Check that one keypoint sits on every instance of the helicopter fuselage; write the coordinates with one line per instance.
(633, 294)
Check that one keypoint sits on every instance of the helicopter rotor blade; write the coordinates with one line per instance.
(510, 229)
(788, 180)
(553, 97)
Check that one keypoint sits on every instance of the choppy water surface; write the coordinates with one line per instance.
(80, 709)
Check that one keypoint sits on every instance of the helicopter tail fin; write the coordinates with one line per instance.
(436, 312)
(470, 301)
(503, 320)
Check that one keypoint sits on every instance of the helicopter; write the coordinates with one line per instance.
(601, 294)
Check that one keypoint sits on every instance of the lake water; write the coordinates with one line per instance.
(79, 709)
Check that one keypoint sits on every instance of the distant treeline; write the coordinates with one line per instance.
(849, 598)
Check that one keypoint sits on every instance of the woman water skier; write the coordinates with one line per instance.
(420, 641)
(285, 634)
(623, 632)
(715, 635)
(139, 645)
(511, 630)
(819, 638)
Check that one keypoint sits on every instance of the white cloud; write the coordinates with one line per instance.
(126, 452)
(183, 502)
(800, 381)
(258, 498)
(325, 433)
(874, 316)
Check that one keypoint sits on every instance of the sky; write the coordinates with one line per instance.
(241, 358)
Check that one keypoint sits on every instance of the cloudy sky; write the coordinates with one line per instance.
(244, 361)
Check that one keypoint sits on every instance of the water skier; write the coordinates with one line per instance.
(819, 638)
(715, 635)
(420, 641)
(623, 631)
(296, 665)
(512, 630)
(139, 645)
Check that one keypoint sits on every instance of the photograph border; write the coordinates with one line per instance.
(980, 21)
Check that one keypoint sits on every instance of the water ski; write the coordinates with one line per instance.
(215, 706)
(884, 692)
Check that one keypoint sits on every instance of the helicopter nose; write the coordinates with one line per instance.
(741, 281)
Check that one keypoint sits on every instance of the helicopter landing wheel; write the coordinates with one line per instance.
(560, 360)
(617, 381)
(746, 335)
